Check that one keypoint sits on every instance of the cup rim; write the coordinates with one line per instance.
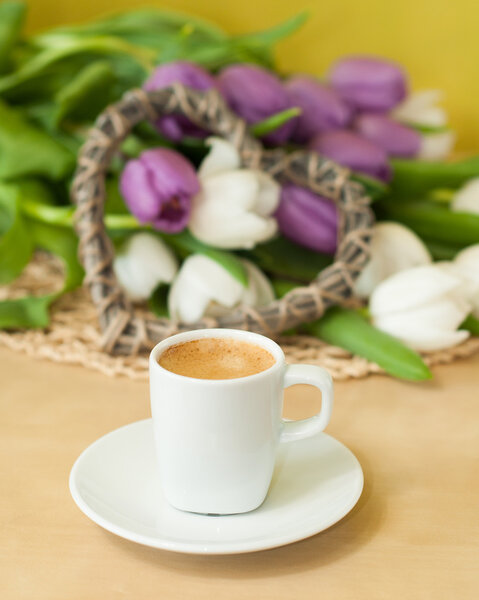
(196, 334)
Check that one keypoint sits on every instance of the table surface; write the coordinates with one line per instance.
(413, 534)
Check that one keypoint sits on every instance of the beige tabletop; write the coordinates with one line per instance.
(413, 534)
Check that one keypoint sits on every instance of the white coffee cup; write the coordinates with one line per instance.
(216, 439)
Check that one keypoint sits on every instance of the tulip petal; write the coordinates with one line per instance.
(420, 108)
(393, 248)
(229, 192)
(422, 339)
(411, 288)
(436, 146)
(242, 231)
(466, 199)
(138, 191)
(259, 291)
(268, 196)
(223, 156)
(170, 173)
(391, 136)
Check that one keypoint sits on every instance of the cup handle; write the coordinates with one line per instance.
(320, 378)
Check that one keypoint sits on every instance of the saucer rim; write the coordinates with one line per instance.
(218, 548)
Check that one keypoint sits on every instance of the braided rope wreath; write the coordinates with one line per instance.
(123, 331)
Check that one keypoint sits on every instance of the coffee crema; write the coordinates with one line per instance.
(216, 358)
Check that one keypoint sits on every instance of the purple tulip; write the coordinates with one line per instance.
(255, 94)
(322, 109)
(369, 83)
(308, 219)
(175, 127)
(158, 186)
(353, 151)
(391, 136)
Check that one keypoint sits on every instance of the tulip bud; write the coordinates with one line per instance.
(419, 108)
(393, 248)
(175, 127)
(369, 83)
(235, 206)
(204, 288)
(255, 94)
(158, 187)
(395, 139)
(353, 151)
(322, 109)
(436, 146)
(466, 265)
(466, 199)
(142, 264)
(422, 306)
(308, 219)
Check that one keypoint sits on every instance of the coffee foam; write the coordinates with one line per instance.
(216, 358)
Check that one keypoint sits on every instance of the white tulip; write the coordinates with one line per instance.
(466, 264)
(142, 264)
(422, 306)
(436, 146)
(234, 206)
(420, 108)
(394, 248)
(466, 199)
(204, 288)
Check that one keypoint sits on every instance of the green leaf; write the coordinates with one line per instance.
(434, 222)
(374, 188)
(12, 17)
(286, 259)
(471, 324)
(278, 32)
(87, 94)
(158, 303)
(186, 244)
(421, 128)
(274, 122)
(413, 177)
(442, 250)
(27, 150)
(15, 242)
(347, 329)
(27, 312)
(62, 242)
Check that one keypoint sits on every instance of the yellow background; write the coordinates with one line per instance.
(436, 40)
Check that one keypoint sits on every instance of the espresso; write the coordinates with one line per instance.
(216, 358)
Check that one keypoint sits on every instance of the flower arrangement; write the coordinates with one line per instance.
(195, 233)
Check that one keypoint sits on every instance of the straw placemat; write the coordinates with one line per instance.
(73, 336)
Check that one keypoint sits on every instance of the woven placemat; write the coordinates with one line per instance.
(73, 336)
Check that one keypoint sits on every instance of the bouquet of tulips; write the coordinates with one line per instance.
(195, 233)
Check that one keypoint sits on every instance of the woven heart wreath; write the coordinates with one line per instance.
(124, 331)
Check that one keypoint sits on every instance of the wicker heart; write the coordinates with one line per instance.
(125, 332)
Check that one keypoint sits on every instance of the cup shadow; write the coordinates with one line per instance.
(345, 537)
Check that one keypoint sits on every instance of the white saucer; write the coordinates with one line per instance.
(316, 482)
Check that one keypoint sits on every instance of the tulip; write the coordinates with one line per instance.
(436, 146)
(395, 139)
(393, 248)
(142, 264)
(175, 127)
(466, 199)
(353, 151)
(255, 94)
(322, 109)
(235, 206)
(419, 108)
(466, 265)
(158, 187)
(369, 83)
(204, 288)
(422, 306)
(308, 219)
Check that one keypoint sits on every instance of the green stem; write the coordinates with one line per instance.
(63, 216)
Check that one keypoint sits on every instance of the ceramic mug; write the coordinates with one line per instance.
(216, 439)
